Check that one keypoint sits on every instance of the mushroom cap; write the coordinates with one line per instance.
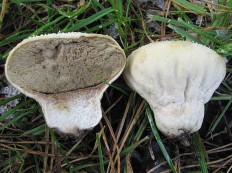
(56, 63)
(67, 73)
(176, 78)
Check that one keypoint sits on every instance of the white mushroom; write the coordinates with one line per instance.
(176, 78)
(67, 73)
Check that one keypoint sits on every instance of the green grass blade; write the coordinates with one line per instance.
(120, 8)
(104, 25)
(80, 11)
(188, 26)
(7, 100)
(141, 129)
(158, 139)
(90, 19)
(96, 3)
(133, 146)
(22, 2)
(13, 110)
(221, 98)
(225, 49)
(18, 2)
(185, 34)
(36, 131)
(37, 168)
(201, 33)
(50, 12)
(18, 36)
(229, 3)
(18, 117)
(100, 153)
(166, 20)
(48, 26)
(190, 6)
(199, 150)
(219, 118)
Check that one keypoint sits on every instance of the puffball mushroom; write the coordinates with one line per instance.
(176, 78)
(67, 74)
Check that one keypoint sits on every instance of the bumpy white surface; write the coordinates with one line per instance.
(176, 78)
(73, 111)
(70, 112)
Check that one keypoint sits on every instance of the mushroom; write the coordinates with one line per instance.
(67, 74)
(176, 78)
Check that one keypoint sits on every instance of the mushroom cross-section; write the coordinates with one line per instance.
(176, 78)
(67, 73)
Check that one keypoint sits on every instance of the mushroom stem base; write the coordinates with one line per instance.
(73, 111)
(178, 118)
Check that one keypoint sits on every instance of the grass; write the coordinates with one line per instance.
(127, 136)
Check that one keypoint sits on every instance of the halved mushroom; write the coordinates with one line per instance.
(176, 78)
(67, 73)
